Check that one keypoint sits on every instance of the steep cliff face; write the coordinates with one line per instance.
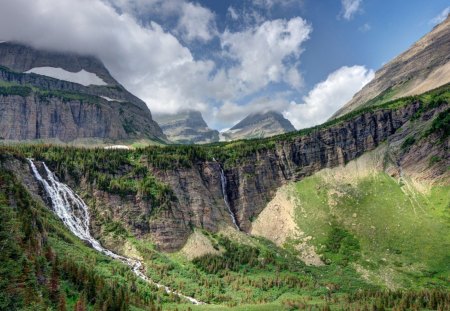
(424, 66)
(259, 125)
(36, 106)
(253, 183)
(50, 118)
(187, 128)
(252, 180)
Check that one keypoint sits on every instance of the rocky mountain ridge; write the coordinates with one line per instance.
(187, 127)
(253, 179)
(259, 125)
(35, 106)
(424, 66)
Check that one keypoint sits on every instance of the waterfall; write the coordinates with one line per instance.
(74, 213)
(223, 182)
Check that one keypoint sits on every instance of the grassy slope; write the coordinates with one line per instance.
(404, 234)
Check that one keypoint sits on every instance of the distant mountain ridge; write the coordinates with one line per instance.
(259, 125)
(187, 127)
(42, 107)
(424, 66)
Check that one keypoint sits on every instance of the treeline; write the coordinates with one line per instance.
(375, 300)
(114, 171)
(427, 299)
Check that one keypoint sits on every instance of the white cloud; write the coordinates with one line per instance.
(328, 96)
(440, 17)
(196, 22)
(153, 64)
(268, 4)
(365, 28)
(261, 52)
(233, 13)
(149, 61)
(350, 8)
(317, 106)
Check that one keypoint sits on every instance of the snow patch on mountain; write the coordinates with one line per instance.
(82, 77)
(111, 99)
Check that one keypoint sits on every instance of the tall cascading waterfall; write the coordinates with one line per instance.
(223, 182)
(74, 213)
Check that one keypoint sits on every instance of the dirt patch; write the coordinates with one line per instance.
(277, 224)
(121, 246)
(237, 236)
(198, 245)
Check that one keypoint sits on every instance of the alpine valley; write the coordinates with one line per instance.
(352, 214)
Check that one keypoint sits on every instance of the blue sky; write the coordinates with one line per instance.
(304, 58)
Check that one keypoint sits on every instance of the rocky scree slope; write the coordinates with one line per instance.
(187, 128)
(424, 66)
(162, 193)
(39, 107)
(259, 125)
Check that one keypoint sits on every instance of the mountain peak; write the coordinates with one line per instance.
(421, 68)
(258, 125)
(186, 127)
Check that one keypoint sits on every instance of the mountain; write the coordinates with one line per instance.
(351, 213)
(259, 125)
(424, 66)
(69, 98)
(186, 127)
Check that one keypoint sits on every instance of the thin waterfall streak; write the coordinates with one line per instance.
(63, 200)
(223, 182)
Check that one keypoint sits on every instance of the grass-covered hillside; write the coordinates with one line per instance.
(392, 232)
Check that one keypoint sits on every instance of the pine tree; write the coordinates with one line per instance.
(62, 302)
(54, 283)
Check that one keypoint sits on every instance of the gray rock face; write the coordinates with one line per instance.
(187, 128)
(253, 181)
(50, 118)
(63, 111)
(424, 66)
(259, 125)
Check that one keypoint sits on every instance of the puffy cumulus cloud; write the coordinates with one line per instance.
(328, 96)
(149, 61)
(153, 64)
(317, 106)
(441, 16)
(193, 21)
(196, 23)
(261, 52)
(350, 8)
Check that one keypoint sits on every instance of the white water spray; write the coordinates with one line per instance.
(223, 182)
(74, 213)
